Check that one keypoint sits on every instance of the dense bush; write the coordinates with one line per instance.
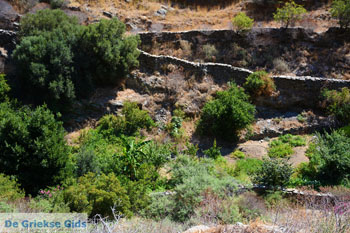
(32, 144)
(259, 83)
(97, 194)
(246, 168)
(242, 22)
(338, 103)
(4, 88)
(129, 123)
(329, 159)
(341, 10)
(105, 53)
(273, 173)
(289, 13)
(9, 189)
(58, 59)
(228, 113)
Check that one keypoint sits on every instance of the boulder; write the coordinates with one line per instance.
(8, 16)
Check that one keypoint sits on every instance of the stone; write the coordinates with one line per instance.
(108, 14)
(131, 27)
(161, 12)
(8, 16)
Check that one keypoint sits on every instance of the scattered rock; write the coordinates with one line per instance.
(162, 11)
(131, 27)
(197, 229)
(108, 14)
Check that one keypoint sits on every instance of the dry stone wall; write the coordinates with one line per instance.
(294, 92)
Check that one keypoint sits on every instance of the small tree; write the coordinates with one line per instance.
(341, 10)
(289, 13)
(228, 113)
(242, 22)
(274, 173)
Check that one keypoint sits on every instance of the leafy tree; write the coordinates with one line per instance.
(341, 10)
(229, 112)
(289, 13)
(242, 22)
(97, 194)
(58, 59)
(106, 54)
(45, 66)
(273, 173)
(47, 21)
(4, 88)
(32, 147)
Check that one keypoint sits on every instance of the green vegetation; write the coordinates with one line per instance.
(32, 144)
(97, 194)
(273, 173)
(59, 60)
(246, 168)
(260, 83)
(289, 13)
(237, 154)
(191, 179)
(283, 146)
(329, 159)
(338, 103)
(4, 89)
(131, 120)
(9, 189)
(210, 52)
(242, 22)
(228, 113)
(213, 152)
(341, 11)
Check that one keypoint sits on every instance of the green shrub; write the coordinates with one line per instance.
(259, 83)
(237, 154)
(338, 103)
(213, 152)
(280, 151)
(329, 159)
(248, 166)
(292, 140)
(190, 178)
(129, 123)
(341, 10)
(50, 200)
(4, 89)
(283, 146)
(228, 113)
(97, 194)
(9, 189)
(210, 52)
(32, 144)
(56, 4)
(289, 13)
(242, 22)
(273, 173)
